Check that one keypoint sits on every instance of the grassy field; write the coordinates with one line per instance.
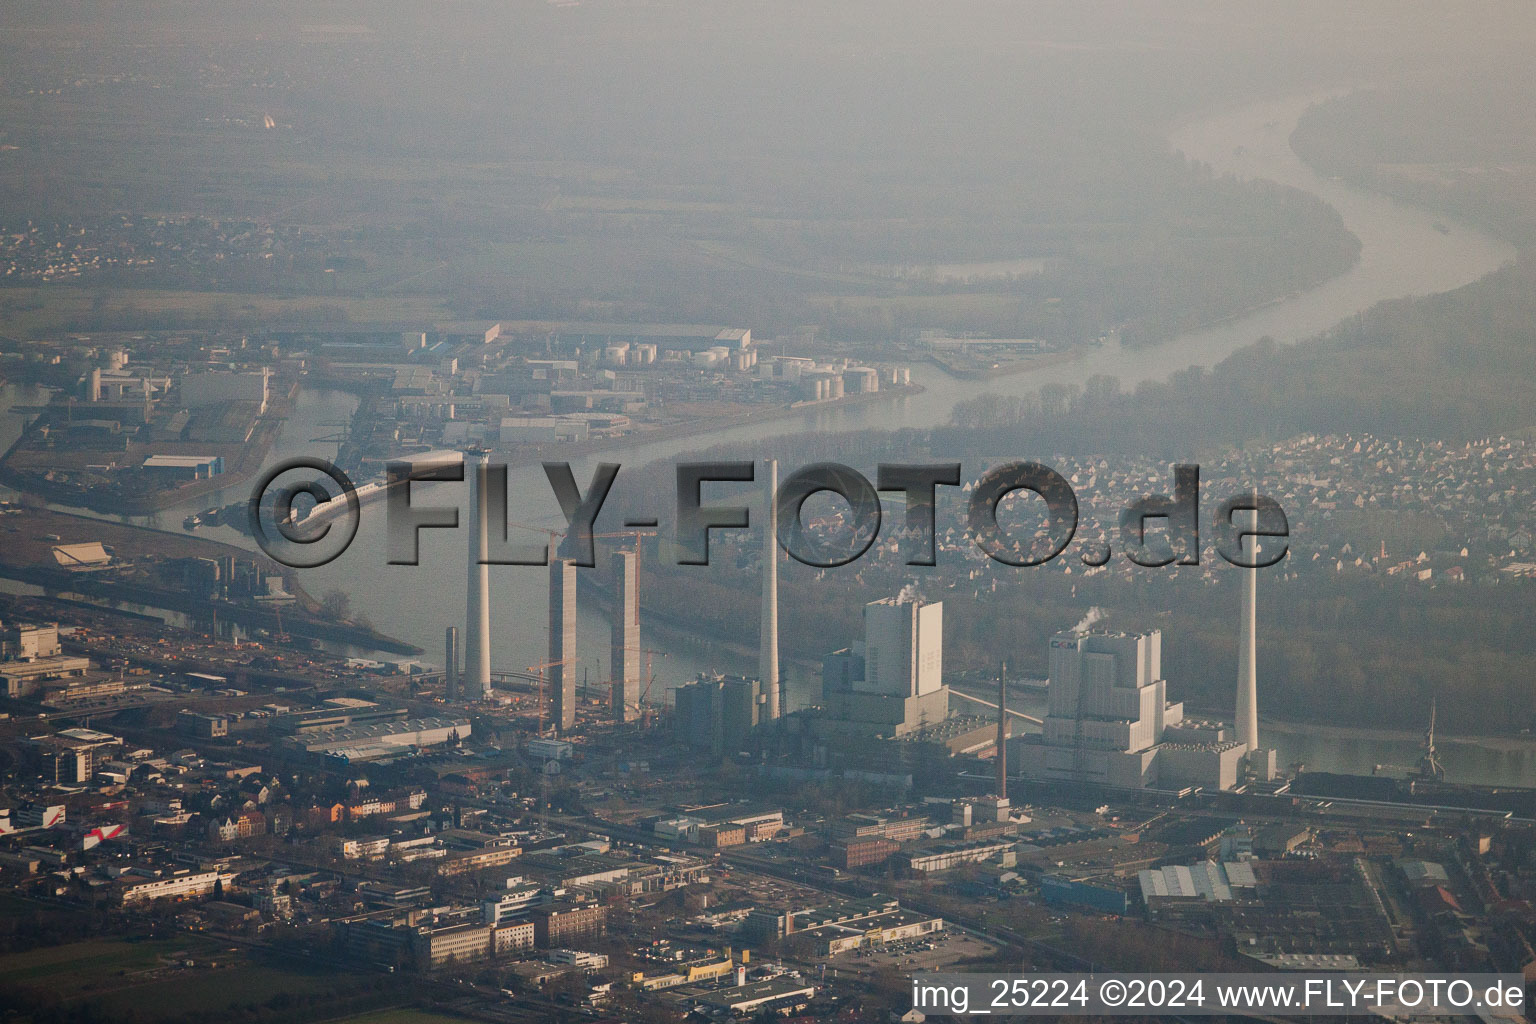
(150, 979)
(192, 990)
(80, 964)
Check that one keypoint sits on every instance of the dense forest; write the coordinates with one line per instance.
(1460, 365)
(1467, 146)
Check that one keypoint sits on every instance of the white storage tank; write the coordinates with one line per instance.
(861, 380)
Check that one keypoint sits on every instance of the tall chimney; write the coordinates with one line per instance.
(562, 644)
(624, 645)
(451, 663)
(1002, 729)
(1247, 656)
(768, 631)
(476, 682)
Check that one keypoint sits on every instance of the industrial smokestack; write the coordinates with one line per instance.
(562, 644)
(451, 663)
(476, 683)
(768, 631)
(1247, 655)
(1002, 730)
(624, 650)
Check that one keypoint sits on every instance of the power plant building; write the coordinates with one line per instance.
(1109, 722)
(717, 713)
(891, 684)
(903, 647)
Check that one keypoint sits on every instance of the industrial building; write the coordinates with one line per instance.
(22, 641)
(864, 826)
(1210, 881)
(933, 861)
(378, 740)
(180, 468)
(134, 889)
(202, 724)
(860, 853)
(542, 429)
(890, 685)
(782, 994)
(1109, 723)
(1059, 891)
(338, 711)
(845, 925)
(666, 337)
(222, 387)
(89, 556)
(467, 332)
(464, 862)
(549, 750)
(23, 676)
(717, 713)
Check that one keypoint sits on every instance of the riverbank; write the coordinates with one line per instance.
(1497, 743)
(27, 556)
(1523, 743)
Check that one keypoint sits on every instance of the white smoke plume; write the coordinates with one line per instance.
(1095, 614)
(908, 593)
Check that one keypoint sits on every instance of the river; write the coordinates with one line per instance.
(1403, 253)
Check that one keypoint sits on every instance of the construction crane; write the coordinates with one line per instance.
(1428, 767)
(642, 704)
(647, 709)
